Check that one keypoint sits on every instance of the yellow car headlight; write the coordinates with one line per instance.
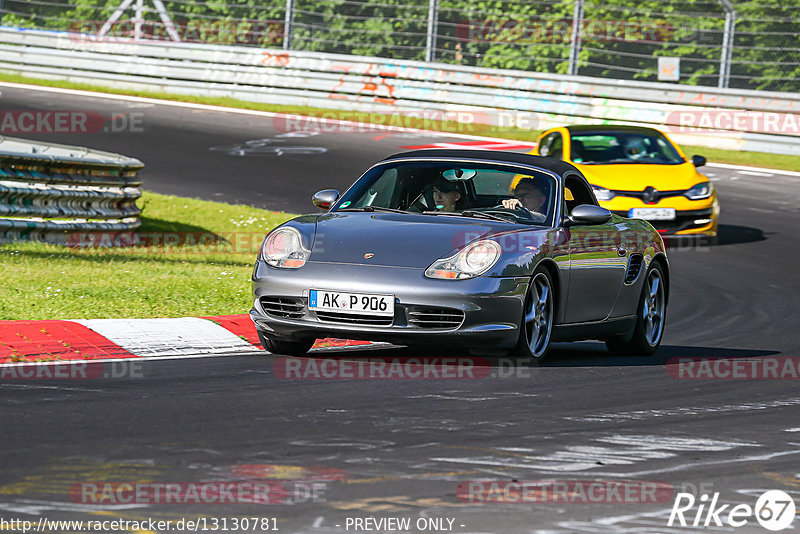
(699, 191)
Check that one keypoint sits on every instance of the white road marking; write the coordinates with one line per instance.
(754, 173)
(638, 415)
(760, 210)
(626, 450)
(169, 337)
(341, 442)
(352, 348)
(108, 360)
(675, 444)
(643, 522)
(206, 107)
(59, 388)
(693, 465)
(32, 507)
(755, 169)
(456, 398)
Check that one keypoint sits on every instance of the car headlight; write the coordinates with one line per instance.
(284, 248)
(601, 193)
(700, 191)
(471, 261)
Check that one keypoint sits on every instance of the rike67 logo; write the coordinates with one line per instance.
(774, 510)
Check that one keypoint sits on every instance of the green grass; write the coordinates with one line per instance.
(756, 159)
(43, 281)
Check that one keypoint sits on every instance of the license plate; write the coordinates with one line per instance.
(360, 303)
(652, 214)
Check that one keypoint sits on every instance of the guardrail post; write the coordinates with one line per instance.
(288, 21)
(433, 21)
(139, 18)
(727, 44)
(575, 43)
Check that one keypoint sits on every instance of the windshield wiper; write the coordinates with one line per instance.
(479, 214)
(375, 208)
(470, 213)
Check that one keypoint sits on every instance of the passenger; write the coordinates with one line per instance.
(445, 195)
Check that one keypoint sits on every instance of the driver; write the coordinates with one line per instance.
(529, 195)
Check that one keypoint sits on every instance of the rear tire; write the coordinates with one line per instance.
(538, 314)
(650, 317)
(283, 347)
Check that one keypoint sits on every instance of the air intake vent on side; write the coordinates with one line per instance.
(634, 266)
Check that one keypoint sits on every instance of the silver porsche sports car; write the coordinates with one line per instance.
(480, 249)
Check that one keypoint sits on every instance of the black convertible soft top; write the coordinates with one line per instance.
(554, 165)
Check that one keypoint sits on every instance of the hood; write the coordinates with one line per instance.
(397, 240)
(637, 177)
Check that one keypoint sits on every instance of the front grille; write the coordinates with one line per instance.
(434, 317)
(289, 307)
(634, 266)
(354, 319)
(657, 195)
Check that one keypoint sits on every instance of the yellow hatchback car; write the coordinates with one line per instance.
(639, 173)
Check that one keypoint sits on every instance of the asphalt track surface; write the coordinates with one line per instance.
(400, 448)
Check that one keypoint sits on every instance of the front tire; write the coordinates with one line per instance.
(650, 317)
(283, 347)
(537, 318)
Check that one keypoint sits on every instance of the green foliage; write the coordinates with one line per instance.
(620, 38)
(161, 280)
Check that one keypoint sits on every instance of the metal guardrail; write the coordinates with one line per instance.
(50, 191)
(492, 96)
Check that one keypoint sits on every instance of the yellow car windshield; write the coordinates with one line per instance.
(622, 147)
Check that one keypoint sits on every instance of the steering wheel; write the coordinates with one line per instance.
(535, 215)
(519, 210)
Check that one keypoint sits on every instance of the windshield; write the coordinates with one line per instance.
(622, 147)
(487, 191)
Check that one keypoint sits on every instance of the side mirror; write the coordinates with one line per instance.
(589, 214)
(698, 161)
(325, 199)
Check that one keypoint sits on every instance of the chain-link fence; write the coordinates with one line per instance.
(752, 44)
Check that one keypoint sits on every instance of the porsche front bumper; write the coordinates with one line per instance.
(483, 311)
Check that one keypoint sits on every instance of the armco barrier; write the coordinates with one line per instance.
(49, 190)
(495, 96)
